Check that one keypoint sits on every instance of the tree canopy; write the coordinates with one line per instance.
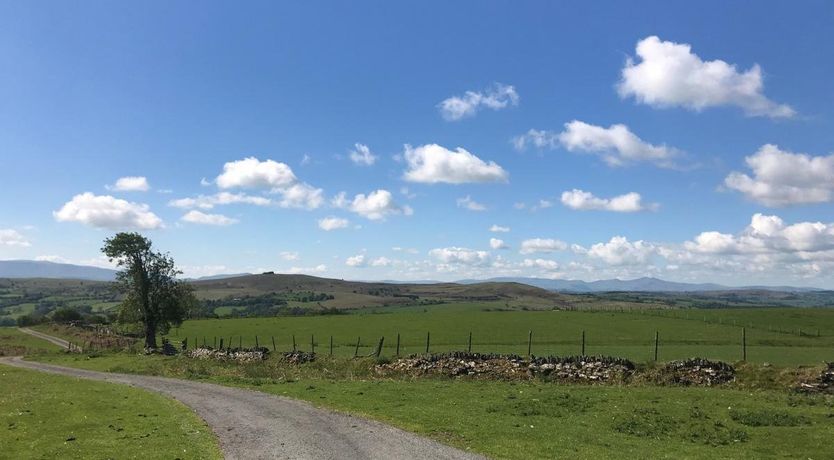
(153, 296)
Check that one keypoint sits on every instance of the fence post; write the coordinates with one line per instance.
(583, 343)
(240, 341)
(204, 341)
(529, 343)
(656, 339)
(428, 337)
(185, 343)
(379, 347)
(331, 345)
(293, 344)
(257, 345)
(273, 343)
(469, 347)
(356, 351)
(398, 344)
(221, 343)
(312, 343)
(743, 344)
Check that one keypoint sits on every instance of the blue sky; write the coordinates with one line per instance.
(721, 120)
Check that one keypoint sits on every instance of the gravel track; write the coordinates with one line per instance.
(55, 340)
(255, 425)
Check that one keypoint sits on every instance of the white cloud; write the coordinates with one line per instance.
(620, 251)
(130, 184)
(333, 223)
(670, 75)
(376, 205)
(499, 229)
(356, 261)
(198, 217)
(406, 250)
(462, 256)
(782, 178)
(616, 144)
(277, 177)
(495, 243)
(104, 211)
(542, 245)
(289, 255)
(468, 203)
(300, 270)
(222, 198)
(582, 200)
(544, 264)
(52, 258)
(497, 97)
(381, 262)
(11, 237)
(432, 164)
(362, 155)
(768, 234)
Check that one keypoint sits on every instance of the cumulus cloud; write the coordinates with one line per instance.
(499, 229)
(535, 245)
(584, 201)
(432, 164)
(468, 203)
(616, 144)
(768, 234)
(669, 74)
(782, 178)
(356, 261)
(461, 256)
(381, 262)
(198, 217)
(543, 264)
(362, 155)
(317, 269)
(105, 211)
(620, 251)
(496, 243)
(222, 198)
(130, 184)
(496, 98)
(11, 237)
(333, 223)
(376, 205)
(278, 178)
(289, 255)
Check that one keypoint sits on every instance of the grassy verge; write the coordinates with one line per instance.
(531, 419)
(16, 343)
(50, 416)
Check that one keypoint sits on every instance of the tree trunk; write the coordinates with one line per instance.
(150, 335)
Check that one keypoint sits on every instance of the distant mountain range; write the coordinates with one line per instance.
(41, 269)
(644, 284)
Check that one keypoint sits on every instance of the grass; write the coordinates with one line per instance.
(50, 416)
(534, 419)
(16, 343)
(627, 334)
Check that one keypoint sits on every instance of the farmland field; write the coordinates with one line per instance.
(16, 343)
(50, 416)
(715, 334)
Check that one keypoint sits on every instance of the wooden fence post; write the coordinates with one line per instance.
(398, 344)
(221, 343)
(356, 351)
(257, 345)
(312, 343)
(428, 337)
(529, 343)
(240, 341)
(331, 345)
(379, 347)
(656, 338)
(294, 349)
(743, 344)
(469, 346)
(583, 343)
(273, 343)
(215, 342)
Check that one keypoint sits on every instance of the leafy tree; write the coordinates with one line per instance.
(66, 315)
(153, 296)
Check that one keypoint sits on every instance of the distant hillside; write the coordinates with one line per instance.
(39, 269)
(645, 284)
(355, 294)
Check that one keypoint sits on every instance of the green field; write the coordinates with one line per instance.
(756, 417)
(16, 343)
(683, 333)
(50, 416)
